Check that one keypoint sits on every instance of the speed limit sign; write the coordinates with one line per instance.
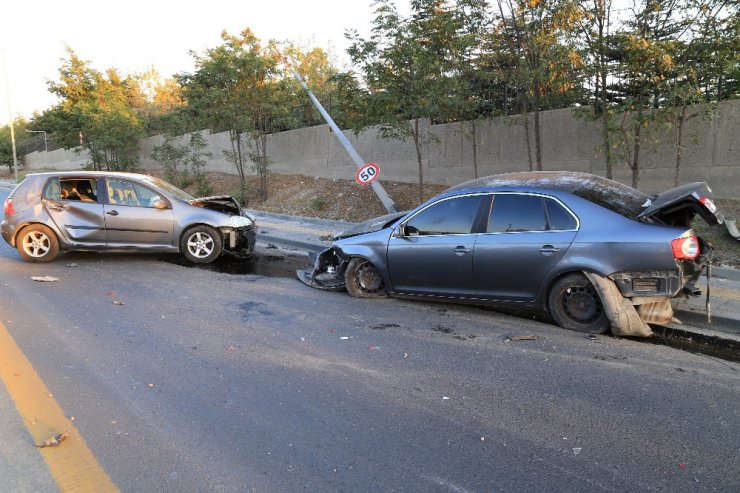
(367, 174)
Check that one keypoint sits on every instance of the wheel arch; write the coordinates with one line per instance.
(348, 252)
(190, 226)
(14, 238)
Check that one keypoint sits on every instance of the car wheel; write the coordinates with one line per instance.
(363, 280)
(575, 305)
(37, 243)
(201, 244)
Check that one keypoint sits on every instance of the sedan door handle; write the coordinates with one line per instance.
(112, 213)
(461, 250)
(549, 250)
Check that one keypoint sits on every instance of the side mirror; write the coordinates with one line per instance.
(401, 230)
(160, 204)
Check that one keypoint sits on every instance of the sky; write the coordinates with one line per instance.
(135, 35)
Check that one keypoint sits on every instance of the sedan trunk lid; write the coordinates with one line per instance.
(678, 206)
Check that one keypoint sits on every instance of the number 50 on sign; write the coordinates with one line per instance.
(367, 174)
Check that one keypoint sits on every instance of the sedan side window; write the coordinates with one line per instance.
(516, 213)
(558, 218)
(446, 217)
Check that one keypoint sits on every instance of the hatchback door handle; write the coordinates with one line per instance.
(461, 250)
(112, 213)
(549, 250)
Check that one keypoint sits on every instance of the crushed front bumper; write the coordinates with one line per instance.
(327, 272)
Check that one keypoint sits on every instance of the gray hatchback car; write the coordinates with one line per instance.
(97, 211)
(592, 252)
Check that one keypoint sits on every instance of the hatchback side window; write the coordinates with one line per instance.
(446, 217)
(121, 192)
(53, 190)
(516, 213)
(79, 190)
(558, 218)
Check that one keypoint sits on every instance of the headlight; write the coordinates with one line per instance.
(240, 222)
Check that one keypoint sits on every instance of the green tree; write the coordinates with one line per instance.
(6, 144)
(648, 46)
(406, 65)
(594, 32)
(95, 113)
(538, 36)
(236, 88)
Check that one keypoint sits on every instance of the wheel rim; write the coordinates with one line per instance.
(200, 245)
(368, 279)
(36, 244)
(581, 304)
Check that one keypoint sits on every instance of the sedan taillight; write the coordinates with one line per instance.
(685, 247)
(9, 210)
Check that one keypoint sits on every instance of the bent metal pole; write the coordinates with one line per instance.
(388, 202)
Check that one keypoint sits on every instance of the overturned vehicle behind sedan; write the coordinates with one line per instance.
(593, 253)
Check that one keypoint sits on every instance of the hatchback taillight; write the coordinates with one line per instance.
(685, 247)
(9, 207)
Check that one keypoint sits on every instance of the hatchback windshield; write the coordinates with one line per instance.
(168, 187)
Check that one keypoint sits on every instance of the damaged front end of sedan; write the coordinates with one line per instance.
(327, 272)
(330, 265)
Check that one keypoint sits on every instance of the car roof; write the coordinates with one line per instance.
(610, 194)
(83, 173)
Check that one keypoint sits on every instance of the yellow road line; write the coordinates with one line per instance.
(71, 463)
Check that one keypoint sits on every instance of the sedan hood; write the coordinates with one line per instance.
(222, 203)
(371, 225)
(678, 206)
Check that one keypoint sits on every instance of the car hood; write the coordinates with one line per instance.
(221, 203)
(371, 225)
(678, 206)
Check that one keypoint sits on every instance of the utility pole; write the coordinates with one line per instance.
(386, 200)
(10, 115)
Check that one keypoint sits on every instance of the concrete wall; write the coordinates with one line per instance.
(711, 151)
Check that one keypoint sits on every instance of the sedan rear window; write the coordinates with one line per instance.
(558, 218)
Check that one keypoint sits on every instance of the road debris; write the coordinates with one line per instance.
(576, 450)
(373, 348)
(117, 302)
(445, 398)
(53, 441)
(521, 338)
(73, 265)
(44, 279)
(345, 338)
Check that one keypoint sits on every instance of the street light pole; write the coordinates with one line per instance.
(46, 141)
(10, 115)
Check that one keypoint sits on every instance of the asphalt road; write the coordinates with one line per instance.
(209, 381)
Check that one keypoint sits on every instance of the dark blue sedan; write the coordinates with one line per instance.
(592, 252)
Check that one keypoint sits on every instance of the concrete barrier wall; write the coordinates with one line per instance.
(711, 151)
